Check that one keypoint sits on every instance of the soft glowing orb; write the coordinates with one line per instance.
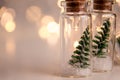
(6, 17)
(2, 10)
(46, 19)
(53, 27)
(10, 26)
(43, 32)
(117, 1)
(50, 33)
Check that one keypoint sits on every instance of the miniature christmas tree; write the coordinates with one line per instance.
(100, 43)
(80, 58)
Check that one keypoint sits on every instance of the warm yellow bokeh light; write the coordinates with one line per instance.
(43, 32)
(53, 27)
(53, 33)
(76, 43)
(33, 14)
(117, 0)
(6, 17)
(50, 32)
(10, 26)
(49, 29)
(2, 10)
(46, 19)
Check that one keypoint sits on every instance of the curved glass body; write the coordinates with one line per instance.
(103, 43)
(76, 44)
(117, 49)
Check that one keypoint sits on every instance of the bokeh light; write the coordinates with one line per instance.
(43, 32)
(53, 27)
(117, 0)
(33, 14)
(10, 26)
(46, 19)
(6, 17)
(53, 33)
(2, 10)
(50, 31)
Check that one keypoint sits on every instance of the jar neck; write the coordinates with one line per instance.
(74, 6)
(102, 5)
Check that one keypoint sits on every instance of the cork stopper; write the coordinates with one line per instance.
(102, 4)
(75, 5)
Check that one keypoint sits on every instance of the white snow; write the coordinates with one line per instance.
(83, 72)
(102, 64)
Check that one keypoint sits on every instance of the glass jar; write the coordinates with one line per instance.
(75, 24)
(103, 27)
(117, 49)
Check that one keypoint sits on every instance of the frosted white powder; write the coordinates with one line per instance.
(83, 72)
(102, 64)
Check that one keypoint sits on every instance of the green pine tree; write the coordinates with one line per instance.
(100, 42)
(80, 58)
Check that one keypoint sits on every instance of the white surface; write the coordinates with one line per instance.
(27, 75)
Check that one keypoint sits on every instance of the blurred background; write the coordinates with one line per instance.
(29, 35)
